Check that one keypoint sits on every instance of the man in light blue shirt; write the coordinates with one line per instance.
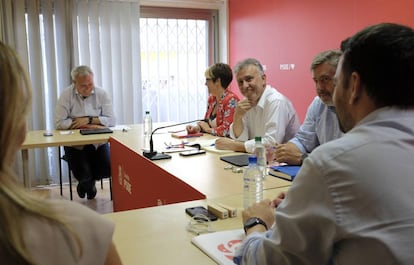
(83, 105)
(321, 124)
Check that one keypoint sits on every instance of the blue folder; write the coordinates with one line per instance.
(288, 170)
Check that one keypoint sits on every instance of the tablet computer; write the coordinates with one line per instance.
(95, 131)
(236, 160)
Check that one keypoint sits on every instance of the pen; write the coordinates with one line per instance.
(181, 145)
(171, 131)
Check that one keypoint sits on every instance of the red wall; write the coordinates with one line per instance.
(292, 32)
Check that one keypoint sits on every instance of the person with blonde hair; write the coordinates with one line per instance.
(36, 230)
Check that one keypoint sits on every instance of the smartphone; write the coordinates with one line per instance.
(200, 210)
(192, 152)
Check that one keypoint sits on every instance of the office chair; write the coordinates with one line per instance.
(64, 158)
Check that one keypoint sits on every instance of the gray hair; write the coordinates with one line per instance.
(81, 70)
(330, 56)
(249, 61)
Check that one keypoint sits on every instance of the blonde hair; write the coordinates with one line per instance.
(15, 202)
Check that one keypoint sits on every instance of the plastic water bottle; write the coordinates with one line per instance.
(147, 123)
(260, 152)
(147, 129)
(252, 183)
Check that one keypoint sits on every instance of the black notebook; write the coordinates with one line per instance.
(95, 131)
(236, 160)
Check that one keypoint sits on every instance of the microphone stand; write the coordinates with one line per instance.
(154, 155)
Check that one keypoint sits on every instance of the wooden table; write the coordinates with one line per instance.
(139, 182)
(36, 139)
(158, 235)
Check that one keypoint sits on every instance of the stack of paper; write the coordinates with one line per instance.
(209, 146)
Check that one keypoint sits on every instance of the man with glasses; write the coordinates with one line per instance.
(320, 125)
(263, 112)
(83, 105)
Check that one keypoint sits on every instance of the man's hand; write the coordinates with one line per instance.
(263, 210)
(242, 107)
(288, 153)
(229, 144)
(79, 122)
(278, 199)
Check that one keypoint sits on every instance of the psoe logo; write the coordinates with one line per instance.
(229, 248)
(287, 66)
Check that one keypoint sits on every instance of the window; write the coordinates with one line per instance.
(176, 49)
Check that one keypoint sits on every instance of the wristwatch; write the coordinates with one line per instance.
(90, 119)
(253, 222)
(304, 155)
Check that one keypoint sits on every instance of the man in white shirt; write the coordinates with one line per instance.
(263, 112)
(352, 201)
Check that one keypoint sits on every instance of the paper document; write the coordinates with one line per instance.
(120, 128)
(220, 246)
(209, 146)
(213, 149)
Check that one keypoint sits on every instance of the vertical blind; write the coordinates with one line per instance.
(53, 36)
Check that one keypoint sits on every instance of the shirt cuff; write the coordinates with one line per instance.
(298, 144)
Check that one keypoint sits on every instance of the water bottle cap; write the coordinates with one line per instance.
(252, 159)
(258, 139)
(147, 112)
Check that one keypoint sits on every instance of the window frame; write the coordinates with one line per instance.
(211, 15)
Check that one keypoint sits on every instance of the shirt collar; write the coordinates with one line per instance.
(77, 93)
(331, 108)
(262, 99)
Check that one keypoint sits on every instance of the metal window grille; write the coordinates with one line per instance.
(175, 53)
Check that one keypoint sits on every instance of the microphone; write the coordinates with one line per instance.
(154, 155)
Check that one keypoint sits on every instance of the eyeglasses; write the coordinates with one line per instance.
(174, 146)
(323, 80)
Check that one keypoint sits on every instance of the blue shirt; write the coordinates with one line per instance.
(320, 126)
(72, 105)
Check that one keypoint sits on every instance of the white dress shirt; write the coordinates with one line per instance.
(273, 118)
